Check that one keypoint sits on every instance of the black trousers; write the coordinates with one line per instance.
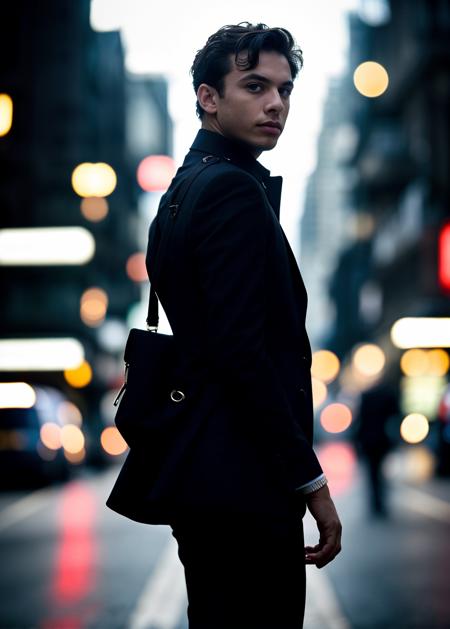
(246, 572)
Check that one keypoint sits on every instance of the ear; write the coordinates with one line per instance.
(207, 97)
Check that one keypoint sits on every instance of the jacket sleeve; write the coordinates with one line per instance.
(229, 232)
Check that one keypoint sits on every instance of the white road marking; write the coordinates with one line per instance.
(24, 507)
(164, 595)
(322, 607)
(424, 503)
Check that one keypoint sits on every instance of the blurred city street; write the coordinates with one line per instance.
(70, 563)
(97, 111)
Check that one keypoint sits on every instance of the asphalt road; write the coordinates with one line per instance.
(67, 562)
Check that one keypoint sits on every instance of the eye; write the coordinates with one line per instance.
(285, 92)
(254, 87)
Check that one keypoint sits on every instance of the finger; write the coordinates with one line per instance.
(323, 556)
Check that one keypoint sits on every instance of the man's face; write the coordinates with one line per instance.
(255, 103)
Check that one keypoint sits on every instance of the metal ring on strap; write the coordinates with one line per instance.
(177, 396)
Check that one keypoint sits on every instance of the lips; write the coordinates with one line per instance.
(270, 123)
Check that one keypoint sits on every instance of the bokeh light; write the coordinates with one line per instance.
(136, 269)
(93, 306)
(369, 360)
(69, 413)
(155, 172)
(429, 332)
(336, 417)
(319, 392)
(414, 428)
(72, 439)
(371, 79)
(50, 435)
(420, 362)
(414, 362)
(94, 180)
(45, 246)
(112, 441)
(338, 461)
(438, 362)
(40, 354)
(16, 395)
(75, 457)
(79, 377)
(325, 365)
(6, 114)
(94, 209)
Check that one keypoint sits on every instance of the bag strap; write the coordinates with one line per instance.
(174, 208)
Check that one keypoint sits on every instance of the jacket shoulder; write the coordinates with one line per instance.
(224, 176)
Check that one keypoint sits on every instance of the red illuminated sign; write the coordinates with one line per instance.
(444, 257)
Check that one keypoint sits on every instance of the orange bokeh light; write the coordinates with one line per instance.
(319, 392)
(72, 439)
(93, 306)
(112, 441)
(50, 435)
(336, 417)
(325, 365)
(94, 208)
(79, 377)
(136, 269)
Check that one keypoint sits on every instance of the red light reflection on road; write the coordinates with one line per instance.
(338, 461)
(74, 576)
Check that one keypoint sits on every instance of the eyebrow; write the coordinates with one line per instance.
(263, 79)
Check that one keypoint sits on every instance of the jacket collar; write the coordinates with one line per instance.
(213, 143)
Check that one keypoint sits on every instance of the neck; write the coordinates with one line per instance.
(211, 124)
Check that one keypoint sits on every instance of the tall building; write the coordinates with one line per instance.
(401, 162)
(325, 221)
(72, 102)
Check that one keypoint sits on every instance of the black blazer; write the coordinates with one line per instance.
(236, 303)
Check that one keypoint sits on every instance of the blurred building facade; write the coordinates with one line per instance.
(326, 221)
(400, 163)
(73, 103)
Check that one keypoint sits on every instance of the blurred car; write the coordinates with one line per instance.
(443, 449)
(25, 460)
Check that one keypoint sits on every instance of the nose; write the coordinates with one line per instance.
(274, 101)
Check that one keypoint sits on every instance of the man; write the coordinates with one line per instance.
(236, 303)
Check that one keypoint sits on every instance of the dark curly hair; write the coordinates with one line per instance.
(212, 62)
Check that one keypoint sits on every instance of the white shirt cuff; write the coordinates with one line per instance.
(313, 485)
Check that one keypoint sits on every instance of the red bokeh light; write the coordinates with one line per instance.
(338, 461)
(155, 173)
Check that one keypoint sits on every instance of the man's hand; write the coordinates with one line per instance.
(324, 512)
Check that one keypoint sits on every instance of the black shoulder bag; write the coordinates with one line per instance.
(149, 401)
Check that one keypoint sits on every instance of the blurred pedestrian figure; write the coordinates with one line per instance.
(378, 410)
(236, 303)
